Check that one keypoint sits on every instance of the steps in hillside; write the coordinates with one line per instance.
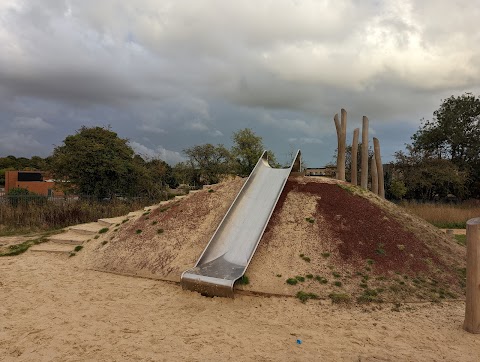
(51, 247)
(90, 228)
(69, 238)
(112, 221)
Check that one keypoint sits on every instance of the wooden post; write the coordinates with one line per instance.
(364, 173)
(472, 303)
(341, 142)
(378, 161)
(373, 172)
(353, 167)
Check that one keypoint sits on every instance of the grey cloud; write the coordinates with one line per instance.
(31, 123)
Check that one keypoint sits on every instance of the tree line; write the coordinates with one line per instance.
(443, 159)
(95, 161)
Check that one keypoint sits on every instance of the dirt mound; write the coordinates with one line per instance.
(325, 238)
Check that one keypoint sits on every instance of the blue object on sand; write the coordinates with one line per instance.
(299, 341)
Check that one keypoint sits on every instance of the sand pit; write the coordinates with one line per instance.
(53, 309)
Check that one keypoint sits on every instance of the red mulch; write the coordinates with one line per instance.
(365, 231)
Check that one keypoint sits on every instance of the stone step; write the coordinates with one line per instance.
(111, 221)
(91, 228)
(52, 248)
(69, 238)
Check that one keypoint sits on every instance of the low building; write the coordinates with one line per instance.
(326, 171)
(32, 181)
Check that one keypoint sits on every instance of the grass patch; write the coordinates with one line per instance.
(243, 280)
(160, 231)
(138, 231)
(309, 276)
(380, 250)
(303, 296)
(154, 222)
(78, 248)
(103, 230)
(337, 283)
(18, 249)
(104, 242)
(336, 275)
(340, 298)
(310, 220)
(291, 281)
(96, 236)
(300, 278)
(321, 280)
(445, 216)
(210, 190)
(325, 255)
(461, 239)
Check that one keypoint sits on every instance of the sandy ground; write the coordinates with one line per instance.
(53, 309)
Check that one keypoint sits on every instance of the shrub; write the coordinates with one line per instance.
(138, 231)
(303, 296)
(243, 280)
(78, 248)
(300, 278)
(340, 298)
(291, 281)
(103, 230)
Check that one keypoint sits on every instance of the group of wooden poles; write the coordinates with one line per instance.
(378, 185)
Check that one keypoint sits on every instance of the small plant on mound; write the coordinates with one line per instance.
(104, 242)
(102, 230)
(368, 296)
(303, 296)
(164, 209)
(300, 278)
(321, 280)
(336, 275)
(78, 248)
(305, 258)
(138, 231)
(154, 222)
(380, 250)
(211, 190)
(292, 281)
(160, 231)
(243, 280)
(309, 276)
(340, 298)
(71, 254)
(279, 275)
(310, 220)
(124, 221)
(337, 283)
(325, 255)
(96, 236)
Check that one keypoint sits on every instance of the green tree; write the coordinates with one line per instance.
(454, 134)
(95, 161)
(397, 189)
(425, 176)
(246, 150)
(211, 162)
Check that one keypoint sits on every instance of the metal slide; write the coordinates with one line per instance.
(233, 244)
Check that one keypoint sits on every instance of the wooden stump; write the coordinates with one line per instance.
(472, 303)
(341, 142)
(378, 161)
(364, 173)
(353, 168)
(373, 172)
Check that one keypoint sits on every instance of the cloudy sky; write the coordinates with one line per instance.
(171, 74)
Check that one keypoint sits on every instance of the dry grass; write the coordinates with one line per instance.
(32, 217)
(444, 216)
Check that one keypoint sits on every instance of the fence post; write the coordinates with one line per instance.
(472, 303)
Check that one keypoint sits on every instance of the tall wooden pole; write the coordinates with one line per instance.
(341, 142)
(353, 168)
(373, 167)
(364, 173)
(378, 161)
(472, 303)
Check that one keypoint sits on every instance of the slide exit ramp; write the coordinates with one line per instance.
(233, 244)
